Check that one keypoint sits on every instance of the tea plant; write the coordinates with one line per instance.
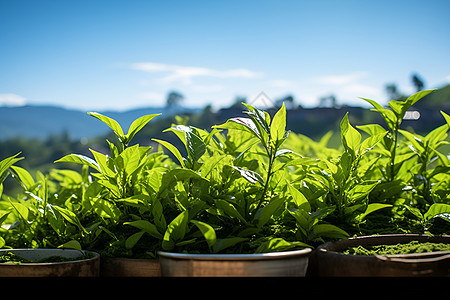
(232, 189)
(124, 190)
(43, 214)
(343, 190)
(246, 186)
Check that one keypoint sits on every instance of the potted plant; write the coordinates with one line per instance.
(412, 187)
(355, 257)
(122, 191)
(238, 212)
(33, 220)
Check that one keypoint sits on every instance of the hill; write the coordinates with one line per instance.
(40, 122)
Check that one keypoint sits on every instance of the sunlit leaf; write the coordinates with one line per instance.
(110, 122)
(138, 124)
(207, 230)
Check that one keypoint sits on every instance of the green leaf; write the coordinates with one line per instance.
(371, 208)
(226, 243)
(436, 136)
(438, 210)
(251, 176)
(110, 122)
(6, 163)
(102, 162)
(371, 141)
(415, 211)
(70, 216)
(172, 149)
(388, 115)
(80, 159)
(73, 244)
(261, 120)
(207, 230)
(131, 241)
(146, 226)
(244, 124)
(176, 231)
(351, 138)
(302, 218)
(446, 117)
(298, 198)
(24, 177)
(267, 211)
(128, 160)
(361, 190)
(278, 126)
(195, 146)
(416, 97)
(106, 209)
(328, 231)
(21, 209)
(138, 124)
(279, 244)
(229, 209)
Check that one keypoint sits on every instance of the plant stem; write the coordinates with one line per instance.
(393, 152)
(269, 175)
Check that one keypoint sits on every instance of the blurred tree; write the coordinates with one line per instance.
(418, 82)
(238, 102)
(328, 101)
(288, 102)
(393, 92)
(173, 100)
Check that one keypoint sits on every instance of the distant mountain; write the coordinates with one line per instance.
(40, 122)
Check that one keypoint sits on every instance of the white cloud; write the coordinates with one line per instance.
(280, 83)
(208, 88)
(447, 78)
(361, 89)
(12, 99)
(341, 79)
(157, 99)
(184, 74)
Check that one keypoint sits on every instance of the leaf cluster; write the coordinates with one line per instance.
(247, 186)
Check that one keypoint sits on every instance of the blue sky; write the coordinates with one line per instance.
(96, 55)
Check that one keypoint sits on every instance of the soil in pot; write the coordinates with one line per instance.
(330, 259)
(49, 263)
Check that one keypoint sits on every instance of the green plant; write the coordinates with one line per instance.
(343, 179)
(43, 215)
(394, 118)
(430, 163)
(233, 190)
(124, 191)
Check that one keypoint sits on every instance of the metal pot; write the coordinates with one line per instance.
(89, 267)
(328, 260)
(287, 263)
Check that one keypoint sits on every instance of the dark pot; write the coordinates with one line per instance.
(327, 259)
(89, 267)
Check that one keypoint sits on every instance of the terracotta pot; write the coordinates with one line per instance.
(89, 267)
(328, 260)
(288, 263)
(129, 267)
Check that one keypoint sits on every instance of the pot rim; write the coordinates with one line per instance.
(96, 256)
(242, 257)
